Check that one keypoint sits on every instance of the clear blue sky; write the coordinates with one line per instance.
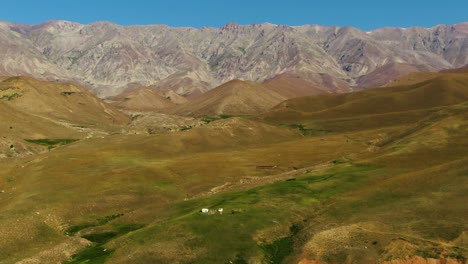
(197, 13)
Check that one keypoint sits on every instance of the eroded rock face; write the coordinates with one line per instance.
(107, 57)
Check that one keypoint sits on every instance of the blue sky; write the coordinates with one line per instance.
(365, 15)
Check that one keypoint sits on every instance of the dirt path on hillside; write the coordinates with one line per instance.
(249, 182)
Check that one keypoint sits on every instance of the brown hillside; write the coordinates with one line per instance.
(18, 126)
(327, 196)
(463, 69)
(233, 98)
(146, 99)
(416, 77)
(444, 90)
(58, 101)
(151, 180)
(32, 109)
(183, 84)
(388, 73)
(303, 84)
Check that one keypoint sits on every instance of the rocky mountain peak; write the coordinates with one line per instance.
(107, 57)
(231, 26)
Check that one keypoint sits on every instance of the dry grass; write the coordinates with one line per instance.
(233, 98)
(397, 178)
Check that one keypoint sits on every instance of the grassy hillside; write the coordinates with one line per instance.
(33, 109)
(58, 101)
(388, 73)
(371, 108)
(140, 176)
(368, 177)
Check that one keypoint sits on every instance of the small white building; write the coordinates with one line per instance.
(205, 210)
(220, 210)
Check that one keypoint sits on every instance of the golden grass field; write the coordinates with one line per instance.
(374, 176)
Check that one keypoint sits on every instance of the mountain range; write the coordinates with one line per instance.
(109, 58)
(151, 144)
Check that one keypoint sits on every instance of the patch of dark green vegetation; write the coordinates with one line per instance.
(456, 253)
(93, 254)
(185, 128)
(307, 131)
(251, 211)
(104, 237)
(76, 228)
(51, 143)
(100, 221)
(208, 119)
(10, 96)
(429, 252)
(67, 93)
(437, 252)
(127, 228)
(107, 219)
(100, 238)
(279, 249)
(96, 253)
(239, 260)
(339, 161)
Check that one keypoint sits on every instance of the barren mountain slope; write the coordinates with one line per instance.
(302, 84)
(232, 98)
(60, 101)
(417, 77)
(108, 57)
(20, 56)
(388, 73)
(381, 106)
(32, 109)
(146, 99)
